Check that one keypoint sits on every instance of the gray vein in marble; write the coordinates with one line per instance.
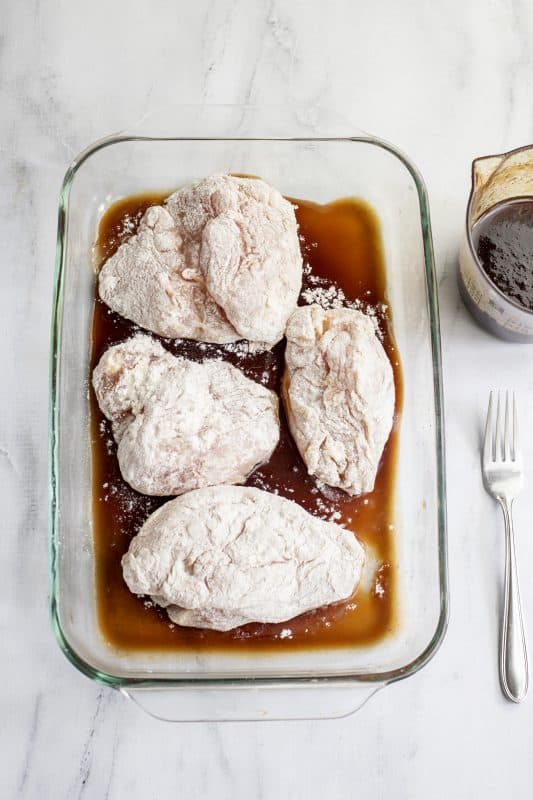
(270, 26)
(520, 60)
(113, 762)
(4, 452)
(213, 44)
(79, 787)
(28, 528)
(284, 31)
(25, 181)
(248, 95)
(223, 759)
(284, 37)
(30, 744)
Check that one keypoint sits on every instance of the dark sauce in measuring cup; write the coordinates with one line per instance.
(503, 241)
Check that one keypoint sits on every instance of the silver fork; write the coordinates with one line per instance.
(503, 478)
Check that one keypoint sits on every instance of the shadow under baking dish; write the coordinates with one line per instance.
(342, 251)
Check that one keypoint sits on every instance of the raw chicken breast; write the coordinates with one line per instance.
(338, 391)
(181, 425)
(219, 262)
(226, 556)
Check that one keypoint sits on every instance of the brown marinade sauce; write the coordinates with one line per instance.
(341, 243)
(503, 240)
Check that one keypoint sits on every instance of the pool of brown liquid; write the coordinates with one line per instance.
(341, 247)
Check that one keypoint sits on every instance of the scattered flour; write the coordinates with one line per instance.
(285, 633)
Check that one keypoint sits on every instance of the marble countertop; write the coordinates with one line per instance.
(445, 82)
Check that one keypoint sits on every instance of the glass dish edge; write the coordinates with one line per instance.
(382, 678)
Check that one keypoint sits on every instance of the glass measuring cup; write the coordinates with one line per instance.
(496, 181)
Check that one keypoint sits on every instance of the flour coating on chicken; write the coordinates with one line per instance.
(225, 556)
(181, 425)
(338, 391)
(219, 262)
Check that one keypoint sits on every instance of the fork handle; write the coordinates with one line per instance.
(513, 656)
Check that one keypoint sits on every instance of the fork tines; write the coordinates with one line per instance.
(501, 436)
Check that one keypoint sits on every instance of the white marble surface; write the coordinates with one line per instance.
(444, 81)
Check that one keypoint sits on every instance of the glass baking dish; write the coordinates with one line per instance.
(316, 156)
